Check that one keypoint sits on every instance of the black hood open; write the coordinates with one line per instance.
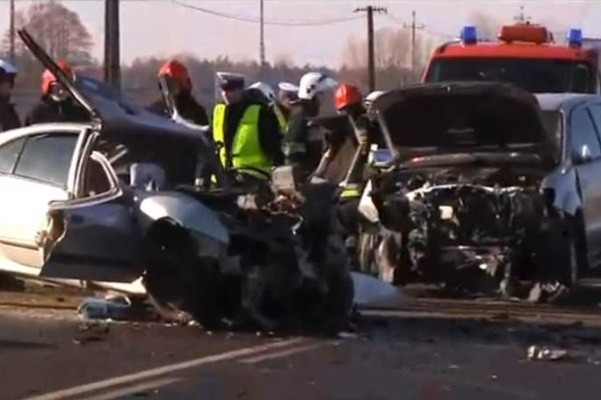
(462, 117)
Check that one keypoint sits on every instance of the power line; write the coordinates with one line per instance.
(242, 18)
(425, 29)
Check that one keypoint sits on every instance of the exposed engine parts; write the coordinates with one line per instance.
(447, 227)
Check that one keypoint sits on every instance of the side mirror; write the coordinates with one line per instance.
(582, 155)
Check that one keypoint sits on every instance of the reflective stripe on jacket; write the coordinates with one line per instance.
(351, 190)
(282, 120)
(246, 152)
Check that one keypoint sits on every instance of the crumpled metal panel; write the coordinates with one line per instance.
(188, 212)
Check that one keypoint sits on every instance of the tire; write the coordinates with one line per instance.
(180, 286)
(339, 299)
(568, 258)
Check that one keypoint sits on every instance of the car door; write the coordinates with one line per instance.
(34, 171)
(585, 149)
(93, 236)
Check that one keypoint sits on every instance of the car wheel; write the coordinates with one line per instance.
(181, 286)
(567, 260)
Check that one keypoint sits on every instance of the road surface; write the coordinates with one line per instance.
(432, 350)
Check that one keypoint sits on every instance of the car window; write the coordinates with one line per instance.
(47, 159)
(9, 153)
(595, 110)
(583, 133)
(96, 181)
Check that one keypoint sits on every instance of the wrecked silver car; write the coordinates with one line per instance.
(114, 203)
(484, 189)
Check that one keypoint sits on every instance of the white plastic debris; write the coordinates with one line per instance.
(371, 292)
(538, 353)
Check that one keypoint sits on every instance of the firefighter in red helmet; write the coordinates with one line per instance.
(181, 87)
(349, 101)
(56, 104)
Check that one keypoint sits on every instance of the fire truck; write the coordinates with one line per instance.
(524, 54)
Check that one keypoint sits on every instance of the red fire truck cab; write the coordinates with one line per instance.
(525, 54)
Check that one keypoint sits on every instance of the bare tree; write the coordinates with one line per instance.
(392, 56)
(57, 29)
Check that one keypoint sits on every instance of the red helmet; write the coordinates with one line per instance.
(346, 95)
(176, 71)
(48, 78)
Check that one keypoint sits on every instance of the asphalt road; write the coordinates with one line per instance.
(45, 354)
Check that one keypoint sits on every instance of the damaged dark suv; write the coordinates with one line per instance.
(489, 188)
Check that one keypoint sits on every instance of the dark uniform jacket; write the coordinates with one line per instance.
(9, 119)
(304, 143)
(187, 106)
(49, 110)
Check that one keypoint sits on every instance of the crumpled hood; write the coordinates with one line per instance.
(461, 117)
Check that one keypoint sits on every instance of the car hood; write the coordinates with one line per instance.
(461, 117)
(116, 115)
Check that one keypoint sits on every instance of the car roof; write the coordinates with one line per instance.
(563, 101)
(53, 127)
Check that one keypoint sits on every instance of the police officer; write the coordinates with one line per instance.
(9, 119)
(56, 104)
(186, 105)
(246, 131)
(268, 95)
(287, 96)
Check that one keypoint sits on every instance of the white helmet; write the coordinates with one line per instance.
(265, 89)
(313, 83)
(370, 98)
(7, 68)
(288, 87)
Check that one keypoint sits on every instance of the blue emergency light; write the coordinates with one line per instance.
(468, 34)
(575, 37)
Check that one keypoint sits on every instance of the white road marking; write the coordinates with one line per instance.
(280, 354)
(115, 394)
(151, 373)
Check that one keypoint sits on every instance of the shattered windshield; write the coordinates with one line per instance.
(536, 76)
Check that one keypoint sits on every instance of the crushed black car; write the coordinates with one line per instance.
(487, 189)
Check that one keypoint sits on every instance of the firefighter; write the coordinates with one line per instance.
(245, 130)
(349, 101)
(301, 149)
(186, 105)
(272, 102)
(9, 119)
(56, 104)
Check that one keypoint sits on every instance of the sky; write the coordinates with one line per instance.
(164, 28)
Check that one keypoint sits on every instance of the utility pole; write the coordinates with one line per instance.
(262, 42)
(371, 68)
(413, 26)
(112, 64)
(12, 32)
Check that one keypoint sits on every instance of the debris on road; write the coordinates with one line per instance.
(110, 308)
(91, 332)
(374, 293)
(538, 353)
